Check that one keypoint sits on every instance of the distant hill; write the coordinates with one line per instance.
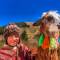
(22, 24)
(1, 30)
(37, 23)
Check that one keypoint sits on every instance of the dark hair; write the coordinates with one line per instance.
(10, 34)
(8, 31)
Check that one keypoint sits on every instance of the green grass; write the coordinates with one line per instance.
(2, 42)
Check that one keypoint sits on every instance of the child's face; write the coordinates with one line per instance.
(13, 40)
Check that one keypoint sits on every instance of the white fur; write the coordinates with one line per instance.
(54, 14)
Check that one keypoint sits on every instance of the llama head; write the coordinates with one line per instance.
(52, 16)
(52, 20)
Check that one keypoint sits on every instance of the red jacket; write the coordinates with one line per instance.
(7, 53)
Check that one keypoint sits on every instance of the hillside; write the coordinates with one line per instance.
(22, 24)
(30, 33)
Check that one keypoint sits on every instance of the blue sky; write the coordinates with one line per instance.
(25, 10)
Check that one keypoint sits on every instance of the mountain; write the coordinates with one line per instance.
(22, 24)
(37, 23)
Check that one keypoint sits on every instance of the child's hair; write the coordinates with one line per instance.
(11, 29)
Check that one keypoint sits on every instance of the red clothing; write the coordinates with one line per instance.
(6, 53)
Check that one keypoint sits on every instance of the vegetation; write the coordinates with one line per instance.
(1, 30)
(36, 37)
(24, 36)
(22, 24)
(2, 42)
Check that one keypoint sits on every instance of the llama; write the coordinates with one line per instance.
(50, 28)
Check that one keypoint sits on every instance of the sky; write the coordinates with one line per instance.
(25, 10)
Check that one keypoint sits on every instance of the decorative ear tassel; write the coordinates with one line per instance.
(53, 43)
(59, 40)
(46, 42)
(41, 39)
